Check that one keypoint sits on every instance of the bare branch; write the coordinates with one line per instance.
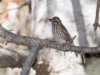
(17, 39)
(30, 59)
(30, 41)
(96, 24)
(12, 58)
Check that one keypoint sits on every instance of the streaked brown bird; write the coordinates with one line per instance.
(60, 33)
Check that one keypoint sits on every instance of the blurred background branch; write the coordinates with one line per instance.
(12, 58)
(28, 3)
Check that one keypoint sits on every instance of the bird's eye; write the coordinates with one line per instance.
(54, 19)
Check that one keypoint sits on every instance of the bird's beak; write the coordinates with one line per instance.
(50, 19)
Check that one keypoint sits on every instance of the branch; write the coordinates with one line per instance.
(96, 24)
(30, 59)
(12, 58)
(31, 41)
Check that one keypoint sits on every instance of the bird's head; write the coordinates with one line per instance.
(55, 19)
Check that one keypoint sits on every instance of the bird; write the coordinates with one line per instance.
(60, 33)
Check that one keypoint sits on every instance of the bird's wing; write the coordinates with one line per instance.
(66, 34)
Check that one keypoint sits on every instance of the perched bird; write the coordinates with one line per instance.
(60, 33)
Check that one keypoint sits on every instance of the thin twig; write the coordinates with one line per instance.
(96, 24)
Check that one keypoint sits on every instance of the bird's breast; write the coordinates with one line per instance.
(57, 34)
